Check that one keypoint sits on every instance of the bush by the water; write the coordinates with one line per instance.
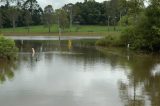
(145, 33)
(109, 41)
(7, 48)
(142, 30)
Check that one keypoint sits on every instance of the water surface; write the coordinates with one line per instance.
(75, 75)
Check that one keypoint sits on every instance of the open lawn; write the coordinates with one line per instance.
(75, 30)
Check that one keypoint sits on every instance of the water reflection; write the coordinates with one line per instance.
(7, 69)
(143, 88)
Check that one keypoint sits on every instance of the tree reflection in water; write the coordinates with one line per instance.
(142, 87)
(7, 70)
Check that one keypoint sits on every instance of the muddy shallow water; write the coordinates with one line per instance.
(74, 75)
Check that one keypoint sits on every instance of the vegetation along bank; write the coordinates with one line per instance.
(142, 31)
(7, 48)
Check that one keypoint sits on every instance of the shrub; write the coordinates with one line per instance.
(109, 41)
(144, 34)
(7, 48)
(126, 20)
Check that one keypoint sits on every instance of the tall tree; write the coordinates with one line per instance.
(31, 5)
(35, 10)
(48, 16)
(69, 8)
(13, 15)
(62, 18)
(27, 20)
(135, 8)
(1, 20)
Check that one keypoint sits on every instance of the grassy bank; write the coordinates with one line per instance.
(74, 31)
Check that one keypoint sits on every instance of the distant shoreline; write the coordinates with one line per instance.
(53, 37)
(57, 34)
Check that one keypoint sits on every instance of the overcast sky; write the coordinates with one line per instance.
(59, 3)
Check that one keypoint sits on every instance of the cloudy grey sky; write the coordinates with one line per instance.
(59, 3)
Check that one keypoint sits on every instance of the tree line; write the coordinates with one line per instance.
(18, 13)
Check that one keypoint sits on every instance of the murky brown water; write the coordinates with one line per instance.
(78, 76)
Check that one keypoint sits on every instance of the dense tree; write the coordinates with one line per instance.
(10, 9)
(132, 9)
(37, 16)
(12, 13)
(31, 5)
(92, 12)
(89, 12)
(145, 32)
(5, 19)
(1, 20)
(35, 10)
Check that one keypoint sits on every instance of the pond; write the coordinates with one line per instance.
(73, 74)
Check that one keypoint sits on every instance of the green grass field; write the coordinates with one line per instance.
(75, 30)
